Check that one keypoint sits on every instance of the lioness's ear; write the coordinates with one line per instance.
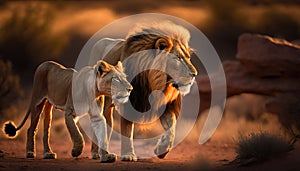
(120, 66)
(102, 67)
(162, 44)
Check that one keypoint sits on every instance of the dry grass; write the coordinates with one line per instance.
(261, 146)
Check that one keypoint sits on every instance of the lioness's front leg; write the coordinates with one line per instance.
(165, 143)
(108, 114)
(75, 134)
(127, 151)
(98, 123)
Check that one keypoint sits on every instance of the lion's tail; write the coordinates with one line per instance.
(10, 128)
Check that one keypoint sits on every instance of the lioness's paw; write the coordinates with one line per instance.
(161, 151)
(95, 155)
(108, 158)
(49, 155)
(30, 155)
(129, 157)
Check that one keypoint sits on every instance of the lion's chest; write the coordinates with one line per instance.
(146, 108)
(171, 93)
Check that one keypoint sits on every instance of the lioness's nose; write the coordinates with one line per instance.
(193, 72)
(129, 89)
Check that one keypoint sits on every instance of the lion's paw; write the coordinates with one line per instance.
(161, 151)
(108, 158)
(76, 152)
(30, 155)
(95, 155)
(49, 155)
(129, 157)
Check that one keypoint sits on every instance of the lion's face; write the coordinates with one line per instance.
(161, 48)
(179, 67)
(112, 81)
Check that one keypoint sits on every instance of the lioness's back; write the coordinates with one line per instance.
(53, 81)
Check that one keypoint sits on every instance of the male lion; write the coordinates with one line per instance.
(156, 57)
(52, 86)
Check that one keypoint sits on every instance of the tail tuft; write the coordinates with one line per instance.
(10, 129)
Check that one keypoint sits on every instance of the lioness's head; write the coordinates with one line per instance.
(166, 48)
(112, 81)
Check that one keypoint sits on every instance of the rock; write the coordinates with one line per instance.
(268, 57)
(264, 66)
(1, 154)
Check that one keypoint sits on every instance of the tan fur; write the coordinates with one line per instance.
(164, 39)
(52, 87)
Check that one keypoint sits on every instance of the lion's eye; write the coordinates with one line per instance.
(115, 78)
(162, 47)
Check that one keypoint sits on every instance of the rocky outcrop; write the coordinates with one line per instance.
(265, 66)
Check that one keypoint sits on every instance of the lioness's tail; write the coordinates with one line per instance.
(11, 130)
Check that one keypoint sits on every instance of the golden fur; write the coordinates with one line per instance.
(52, 86)
(160, 56)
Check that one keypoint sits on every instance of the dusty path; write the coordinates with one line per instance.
(188, 155)
(180, 158)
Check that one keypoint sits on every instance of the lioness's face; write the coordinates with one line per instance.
(179, 67)
(111, 81)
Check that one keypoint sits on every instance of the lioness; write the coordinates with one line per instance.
(53, 85)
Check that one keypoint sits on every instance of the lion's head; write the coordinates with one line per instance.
(111, 80)
(163, 50)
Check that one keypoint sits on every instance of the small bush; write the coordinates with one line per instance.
(10, 87)
(279, 24)
(225, 24)
(261, 146)
(26, 37)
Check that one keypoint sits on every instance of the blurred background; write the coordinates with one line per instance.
(33, 32)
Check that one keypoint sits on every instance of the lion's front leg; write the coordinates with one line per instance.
(98, 123)
(165, 143)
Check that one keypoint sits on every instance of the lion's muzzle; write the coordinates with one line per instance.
(183, 88)
(121, 98)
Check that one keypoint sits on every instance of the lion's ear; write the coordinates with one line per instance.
(120, 66)
(162, 44)
(102, 67)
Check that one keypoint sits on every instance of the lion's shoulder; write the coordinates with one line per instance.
(106, 49)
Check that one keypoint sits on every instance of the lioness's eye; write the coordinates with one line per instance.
(179, 59)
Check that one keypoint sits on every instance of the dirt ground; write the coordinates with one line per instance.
(215, 154)
(188, 155)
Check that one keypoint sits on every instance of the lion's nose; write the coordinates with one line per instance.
(129, 89)
(193, 74)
